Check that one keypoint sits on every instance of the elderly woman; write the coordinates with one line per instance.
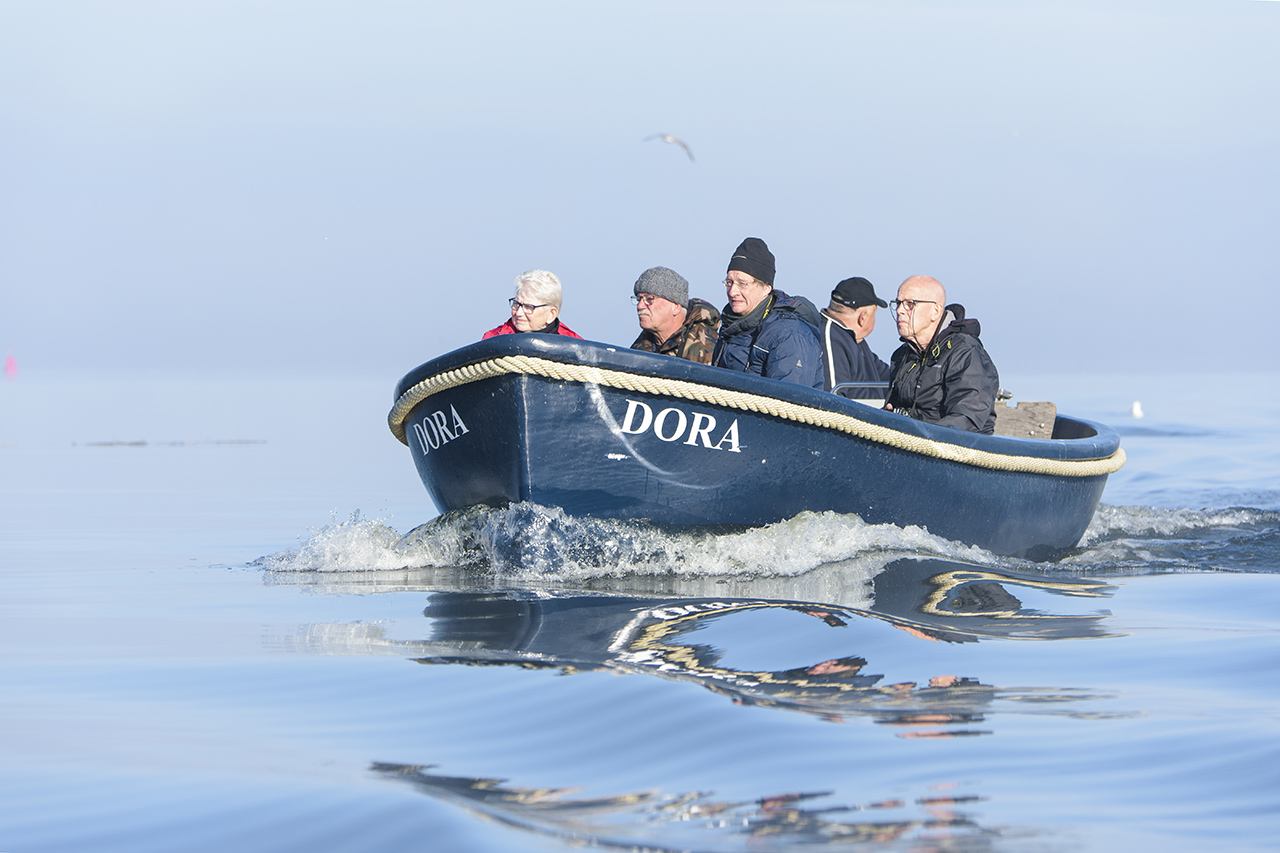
(535, 307)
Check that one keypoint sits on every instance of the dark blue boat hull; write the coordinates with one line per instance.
(603, 451)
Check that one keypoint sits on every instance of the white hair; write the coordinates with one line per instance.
(541, 285)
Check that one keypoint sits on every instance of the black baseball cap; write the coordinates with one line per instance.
(856, 292)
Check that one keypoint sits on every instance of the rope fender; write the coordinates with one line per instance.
(847, 424)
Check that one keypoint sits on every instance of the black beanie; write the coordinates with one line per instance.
(753, 258)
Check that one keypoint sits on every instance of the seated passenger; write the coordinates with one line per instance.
(535, 307)
(941, 373)
(671, 323)
(762, 330)
(846, 357)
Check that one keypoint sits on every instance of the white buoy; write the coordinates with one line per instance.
(1136, 411)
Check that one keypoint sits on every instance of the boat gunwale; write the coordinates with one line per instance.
(1102, 448)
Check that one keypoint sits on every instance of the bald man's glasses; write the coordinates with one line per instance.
(910, 304)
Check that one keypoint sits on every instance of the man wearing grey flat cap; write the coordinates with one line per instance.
(670, 322)
(846, 357)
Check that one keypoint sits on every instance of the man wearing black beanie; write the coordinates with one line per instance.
(754, 258)
(762, 330)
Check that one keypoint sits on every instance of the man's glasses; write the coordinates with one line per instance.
(644, 299)
(517, 305)
(910, 304)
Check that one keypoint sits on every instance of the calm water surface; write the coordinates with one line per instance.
(231, 620)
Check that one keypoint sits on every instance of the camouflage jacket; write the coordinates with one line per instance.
(694, 341)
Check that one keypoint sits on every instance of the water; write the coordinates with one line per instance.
(231, 621)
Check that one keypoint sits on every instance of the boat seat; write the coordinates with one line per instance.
(1029, 420)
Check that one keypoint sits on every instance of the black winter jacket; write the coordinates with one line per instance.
(953, 382)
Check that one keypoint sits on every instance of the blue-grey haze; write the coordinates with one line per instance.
(292, 186)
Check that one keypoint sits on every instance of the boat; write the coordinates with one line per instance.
(604, 431)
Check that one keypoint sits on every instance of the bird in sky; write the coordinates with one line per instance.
(675, 140)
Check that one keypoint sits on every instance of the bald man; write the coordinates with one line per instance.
(941, 374)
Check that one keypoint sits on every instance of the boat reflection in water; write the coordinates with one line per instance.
(677, 629)
(649, 820)
(674, 638)
(674, 629)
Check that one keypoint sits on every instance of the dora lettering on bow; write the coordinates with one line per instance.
(673, 424)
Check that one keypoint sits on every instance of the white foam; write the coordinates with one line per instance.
(540, 545)
(1112, 521)
(355, 545)
(529, 541)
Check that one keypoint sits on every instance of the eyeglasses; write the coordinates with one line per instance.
(644, 299)
(517, 305)
(910, 304)
(730, 284)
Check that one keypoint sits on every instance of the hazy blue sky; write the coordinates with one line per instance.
(354, 185)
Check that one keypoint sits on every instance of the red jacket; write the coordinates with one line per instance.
(508, 329)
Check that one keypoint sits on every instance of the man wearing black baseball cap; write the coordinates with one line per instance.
(846, 357)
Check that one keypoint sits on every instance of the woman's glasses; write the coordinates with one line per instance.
(517, 305)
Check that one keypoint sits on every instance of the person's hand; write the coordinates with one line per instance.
(888, 407)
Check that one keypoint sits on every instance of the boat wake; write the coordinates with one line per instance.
(530, 542)
(1146, 540)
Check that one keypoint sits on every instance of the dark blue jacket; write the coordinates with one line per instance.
(773, 341)
(846, 359)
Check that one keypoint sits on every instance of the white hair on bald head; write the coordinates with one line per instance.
(541, 286)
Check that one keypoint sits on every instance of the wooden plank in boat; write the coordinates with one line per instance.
(1028, 419)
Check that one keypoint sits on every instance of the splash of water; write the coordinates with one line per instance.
(1147, 539)
(530, 541)
(534, 543)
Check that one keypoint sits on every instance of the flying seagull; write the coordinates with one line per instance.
(667, 137)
